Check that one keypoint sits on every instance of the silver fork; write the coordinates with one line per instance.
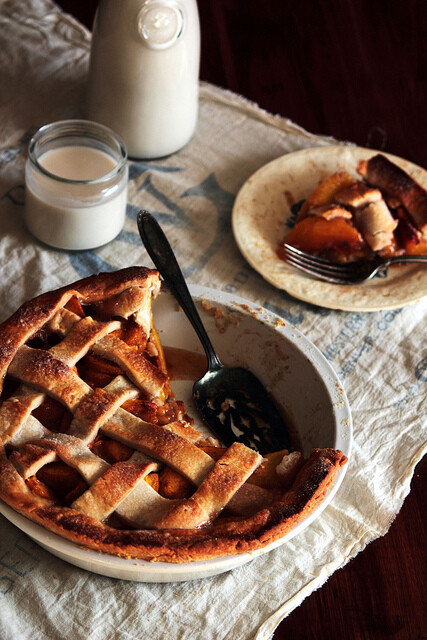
(342, 272)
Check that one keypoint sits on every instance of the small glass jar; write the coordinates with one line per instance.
(76, 178)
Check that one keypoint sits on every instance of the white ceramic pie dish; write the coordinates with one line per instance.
(294, 371)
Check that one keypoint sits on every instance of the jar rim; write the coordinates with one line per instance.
(68, 129)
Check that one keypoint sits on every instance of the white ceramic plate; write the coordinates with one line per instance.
(301, 381)
(263, 207)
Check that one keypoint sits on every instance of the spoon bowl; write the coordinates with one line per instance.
(237, 408)
(232, 401)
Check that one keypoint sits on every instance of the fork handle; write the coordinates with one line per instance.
(405, 258)
(161, 253)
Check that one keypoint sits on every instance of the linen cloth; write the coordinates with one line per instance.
(378, 356)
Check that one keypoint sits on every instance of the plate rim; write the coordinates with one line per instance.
(292, 274)
(138, 570)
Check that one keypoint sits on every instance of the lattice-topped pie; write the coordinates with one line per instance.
(95, 447)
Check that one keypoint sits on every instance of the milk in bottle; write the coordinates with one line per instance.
(143, 76)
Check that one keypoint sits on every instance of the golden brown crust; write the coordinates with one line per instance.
(32, 315)
(330, 211)
(175, 530)
(379, 172)
(376, 224)
(224, 537)
(357, 195)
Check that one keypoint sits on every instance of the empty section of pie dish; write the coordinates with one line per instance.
(300, 380)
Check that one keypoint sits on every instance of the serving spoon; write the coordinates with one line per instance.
(231, 400)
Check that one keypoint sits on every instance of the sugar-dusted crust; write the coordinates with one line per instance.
(35, 313)
(225, 536)
(157, 528)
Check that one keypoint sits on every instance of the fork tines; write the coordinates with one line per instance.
(322, 268)
(343, 272)
(305, 258)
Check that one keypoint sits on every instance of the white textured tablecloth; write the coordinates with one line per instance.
(379, 356)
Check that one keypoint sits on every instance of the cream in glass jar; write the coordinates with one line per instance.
(75, 185)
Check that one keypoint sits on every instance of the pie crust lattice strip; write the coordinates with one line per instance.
(89, 424)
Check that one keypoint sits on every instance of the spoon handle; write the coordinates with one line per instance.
(161, 253)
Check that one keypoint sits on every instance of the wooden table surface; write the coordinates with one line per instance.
(355, 70)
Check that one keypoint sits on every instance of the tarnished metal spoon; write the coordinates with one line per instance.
(232, 400)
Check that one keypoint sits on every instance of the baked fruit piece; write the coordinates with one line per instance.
(346, 220)
(95, 447)
(324, 226)
(405, 197)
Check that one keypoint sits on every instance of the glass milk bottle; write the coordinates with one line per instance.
(144, 71)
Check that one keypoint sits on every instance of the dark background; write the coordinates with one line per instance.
(355, 70)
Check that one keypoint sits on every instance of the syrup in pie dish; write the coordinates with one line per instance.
(345, 219)
(95, 447)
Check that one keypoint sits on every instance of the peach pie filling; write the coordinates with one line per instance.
(384, 213)
(95, 446)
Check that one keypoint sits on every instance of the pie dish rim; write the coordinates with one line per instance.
(146, 571)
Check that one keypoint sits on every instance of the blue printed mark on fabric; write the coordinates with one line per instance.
(209, 189)
(295, 318)
(223, 202)
(352, 328)
(177, 217)
(420, 372)
(350, 364)
(239, 279)
(136, 169)
(10, 154)
(15, 195)
(16, 563)
(6, 585)
(387, 317)
(86, 262)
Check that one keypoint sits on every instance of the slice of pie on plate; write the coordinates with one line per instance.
(95, 447)
(345, 219)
